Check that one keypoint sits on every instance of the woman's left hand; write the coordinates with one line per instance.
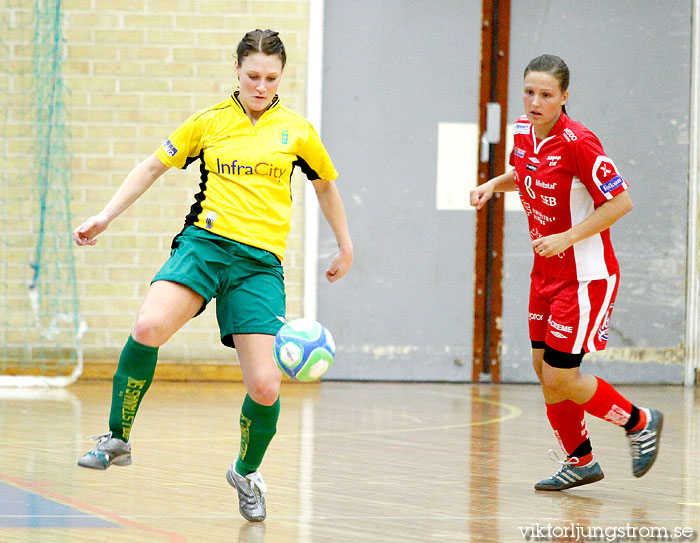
(550, 246)
(339, 266)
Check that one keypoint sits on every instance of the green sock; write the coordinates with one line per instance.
(258, 427)
(137, 365)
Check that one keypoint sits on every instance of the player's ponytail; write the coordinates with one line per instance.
(261, 41)
(554, 65)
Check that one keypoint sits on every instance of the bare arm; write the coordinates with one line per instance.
(601, 219)
(334, 212)
(483, 193)
(136, 183)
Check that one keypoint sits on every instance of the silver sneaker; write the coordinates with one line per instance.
(109, 450)
(251, 493)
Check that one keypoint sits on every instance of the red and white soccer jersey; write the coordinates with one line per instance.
(562, 179)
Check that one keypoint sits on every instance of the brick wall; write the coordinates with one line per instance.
(135, 70)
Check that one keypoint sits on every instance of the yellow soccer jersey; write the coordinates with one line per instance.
(245, 190)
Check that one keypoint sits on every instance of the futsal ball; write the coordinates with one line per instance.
(304, 349)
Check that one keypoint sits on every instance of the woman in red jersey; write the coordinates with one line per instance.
(572, 193)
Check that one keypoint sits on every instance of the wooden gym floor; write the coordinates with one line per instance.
(352, 462)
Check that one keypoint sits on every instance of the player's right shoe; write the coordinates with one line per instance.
(570, 474)
(645, 443)
(251, 493)
(109, 450)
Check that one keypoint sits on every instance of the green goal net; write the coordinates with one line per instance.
(40, 318)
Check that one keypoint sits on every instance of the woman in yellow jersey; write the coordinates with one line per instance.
(231, 249)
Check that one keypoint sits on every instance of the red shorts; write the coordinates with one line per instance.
(571, 316)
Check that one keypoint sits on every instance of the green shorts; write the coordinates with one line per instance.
(247, 282)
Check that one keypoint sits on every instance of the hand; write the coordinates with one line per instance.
(480, 195)
(339, 266)
(555, 244)
(86, 233)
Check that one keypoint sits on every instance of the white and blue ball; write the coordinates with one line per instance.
(304, 349)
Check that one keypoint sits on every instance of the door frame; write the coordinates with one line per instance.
(314, 105)
(692, 298)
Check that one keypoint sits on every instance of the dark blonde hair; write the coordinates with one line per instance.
(551, 64)
(261, 41)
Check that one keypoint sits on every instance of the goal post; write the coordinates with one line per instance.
(40, 314)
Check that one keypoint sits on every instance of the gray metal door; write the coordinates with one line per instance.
(630, 83)
(401, 77)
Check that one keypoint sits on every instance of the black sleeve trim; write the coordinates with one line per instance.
(191, 159)
(196, 208)
(308, 170)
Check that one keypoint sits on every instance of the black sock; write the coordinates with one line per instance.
(583, 449)
(634, 419)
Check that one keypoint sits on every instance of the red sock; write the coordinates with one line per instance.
(608, 404)
(584, 460)
(569, 426)
(642, 422)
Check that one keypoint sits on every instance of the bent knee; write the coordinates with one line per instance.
(149, 332)
(554, 381)
(549, 382)
(264, 392)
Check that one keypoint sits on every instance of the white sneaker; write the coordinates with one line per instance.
(251, 493)
(109, 450)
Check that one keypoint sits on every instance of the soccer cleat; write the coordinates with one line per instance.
(570, 474)
(645, 443)
(251, 493)
(109, 450)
